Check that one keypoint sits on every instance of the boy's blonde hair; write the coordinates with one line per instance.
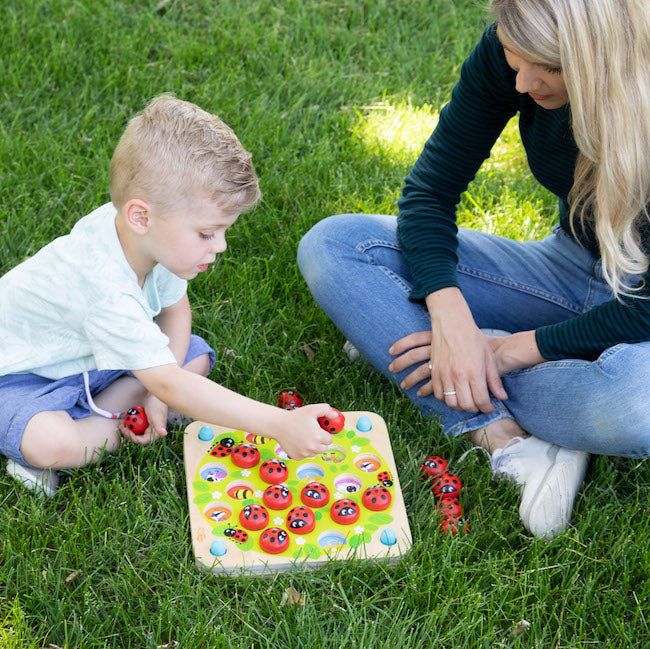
(603, 48)
(173, 152)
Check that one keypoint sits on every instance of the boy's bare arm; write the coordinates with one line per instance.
(297, 431)
(175, 322)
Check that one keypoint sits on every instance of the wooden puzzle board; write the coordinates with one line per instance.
(218, 490)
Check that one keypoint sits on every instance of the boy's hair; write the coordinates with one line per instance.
(175, 150)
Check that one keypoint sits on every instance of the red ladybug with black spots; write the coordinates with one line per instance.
(376, 498)
(289, 399)
(223, 448)
(237, 535)
(274, 540)
(315, 494)
(136, 420)
(333, 424)
(450, 507)
(273, 471)
(254, 517)
(245, 456)
(433, 466)
(277, 497)
(345, 511)
(301, 520)
(385, 478)
(447, 486)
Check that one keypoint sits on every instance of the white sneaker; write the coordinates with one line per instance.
(550, 476)
(44, 481)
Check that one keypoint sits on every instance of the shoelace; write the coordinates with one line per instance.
(497, 462)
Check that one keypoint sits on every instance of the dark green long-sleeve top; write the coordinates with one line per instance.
(481, 104)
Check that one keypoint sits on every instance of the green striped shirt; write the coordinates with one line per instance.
(481, 104)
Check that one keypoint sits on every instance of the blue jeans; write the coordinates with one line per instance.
(357, 274)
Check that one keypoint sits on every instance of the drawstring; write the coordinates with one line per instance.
(95, 408)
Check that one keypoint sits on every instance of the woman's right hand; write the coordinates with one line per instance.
(463, 364)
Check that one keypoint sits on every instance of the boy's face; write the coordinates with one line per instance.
(188, 240)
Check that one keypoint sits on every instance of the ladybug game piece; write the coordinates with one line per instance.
(332, 424)
(376, 498)
(277, 496)
(450, 507)
(315, 494)
(274, 540)
(433, 466)
(452, 525)
(245, 456)
(345, 511)
(273, 471)
(447, 486)
(136, 420)
(254, 517)
(301, 520)
(289, 399)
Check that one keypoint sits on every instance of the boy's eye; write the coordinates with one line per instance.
(208, 236)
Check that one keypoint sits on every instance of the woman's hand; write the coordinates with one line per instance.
(463, 369)
(515, 352)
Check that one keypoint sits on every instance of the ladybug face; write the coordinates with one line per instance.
(227, 442)
(332, 424)
(385, 478)
(301, 520)
(245, 456)
(277, 497)
(345, 511)
(447, 486)
(273, 471)
(289, 399)
(274, 540)
(239, 536)
(376, 498)
(136, 420)
(315, 494)
(433, 466)
(254, 517)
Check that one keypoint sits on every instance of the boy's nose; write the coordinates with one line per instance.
(219, 245)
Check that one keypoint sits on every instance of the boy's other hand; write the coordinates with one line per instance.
(300, 435)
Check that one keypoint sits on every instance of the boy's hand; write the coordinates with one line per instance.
(156, 412)
(299, 433)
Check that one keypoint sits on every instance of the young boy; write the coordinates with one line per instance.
(99, 320)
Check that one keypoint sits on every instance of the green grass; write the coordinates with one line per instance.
(335, 100)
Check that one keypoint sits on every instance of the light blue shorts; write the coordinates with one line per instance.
(24, 395)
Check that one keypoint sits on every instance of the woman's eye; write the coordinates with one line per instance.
(553, 70)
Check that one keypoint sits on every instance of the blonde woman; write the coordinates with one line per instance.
(418, 296)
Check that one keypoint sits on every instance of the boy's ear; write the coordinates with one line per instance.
(137, 215)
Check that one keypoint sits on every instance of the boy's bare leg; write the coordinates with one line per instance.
(54, 440)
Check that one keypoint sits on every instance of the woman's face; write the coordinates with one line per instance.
(544, 85)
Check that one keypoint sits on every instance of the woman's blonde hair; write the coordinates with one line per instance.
(603, 49)
(175, 150)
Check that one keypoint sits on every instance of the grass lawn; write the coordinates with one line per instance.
(335, 99)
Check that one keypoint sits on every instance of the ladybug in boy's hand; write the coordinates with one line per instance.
(136, 420)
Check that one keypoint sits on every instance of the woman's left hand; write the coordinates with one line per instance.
(516, 351)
